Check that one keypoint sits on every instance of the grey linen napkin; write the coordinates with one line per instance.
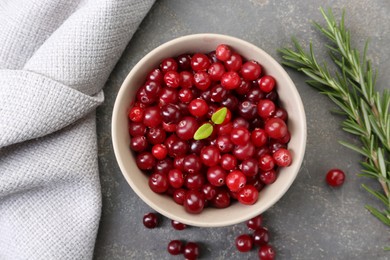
(55, 57)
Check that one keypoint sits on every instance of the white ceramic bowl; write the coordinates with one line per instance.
(210, 217)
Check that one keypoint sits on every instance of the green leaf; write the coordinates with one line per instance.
(219, 116)
(203, 131)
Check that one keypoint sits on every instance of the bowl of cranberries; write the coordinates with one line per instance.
(209, 130)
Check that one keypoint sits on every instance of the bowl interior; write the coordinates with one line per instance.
(210, 217)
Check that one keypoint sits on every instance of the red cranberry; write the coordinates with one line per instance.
(266, 252)
(200, 62)
(243, 152)
(145, 161)
(194, 202)
(243, 88)
(184, 61)
(268, 177)
(228, 162)
(267, 83)
(248, 195)
(172, 79)
(210, 155)
(254, 94)
(255, 222)
(230, 80)
(249, 167)
(164, 165)
(202, 80)
(179, 196)
(260, 236)
(168, 96)
(240, 136)
(155, 75)
(234, 62)
(175, 247)
(150, 220)
(250, 70)
(247, 110)
(192, 163)
(186, 79)
(168, 64)
(194, 180)
(191, 251)
(136, 114)
(178, 225)
(275, 128)
(224, 143)
(186, 128)
(259, 137)
(235, 180)
(158, 182)
(152, 116)
(159, 151)
(209, 191)
(221, 199)
(216, 176)
(282, 157)
(266, 108)
(176, 178)
(244, 243)
(216, 71)
(223, 52)
(198, 107)
(230, 102)
(138, 143)
(156, 135)
(196, 146)
(335, 177)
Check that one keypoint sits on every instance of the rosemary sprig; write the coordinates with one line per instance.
(352, 88)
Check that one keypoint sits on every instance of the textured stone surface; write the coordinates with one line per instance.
(312, 221)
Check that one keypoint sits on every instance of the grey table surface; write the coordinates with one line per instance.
(312, 220)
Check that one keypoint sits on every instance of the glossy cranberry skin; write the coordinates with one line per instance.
(266, 252)
(156, 135)
(234, 62)
(138, 143)
(281, 113)
(144, 97)
(266, 162)
(209, 191)
(335, 177)
(150, 220)
(194, 202)
(158, 182)
(268, 177)
(248, 195)
(194, 180)
(163, 166)
(200, 62)
(184, 62)
(275, 128)
(240, 121)
(202, 80)
(255, 222)
(170, 113)
(216, 176)
(267, 83)
(235, 180)
(186, 79)
(221, 199)
(210, 155)
(145, 161)
(243, 152)
(175, 247)
(225, 129)
(249, 167)
(155, 75)
(136, 114)
(176, 178)
(259, 137)
(168, 96)
(159, 151)
(191, 251)
(218, 93)
(168, 64)
(240, 136)
(230, 102)
(282, 157)
(198, 107)
(178, 225)
(260, 236)
(216, 71)
(192, 163)
(179, 196)
(223, 52)
(152, 116)
(172, 79)
(186, 128)
(244, 243)
(230, 80)
(250, 70)
(266, 108)
(224, 143)
(178, 148)
(185, 95)
(228, 162)
(196, 146)
(247, 110)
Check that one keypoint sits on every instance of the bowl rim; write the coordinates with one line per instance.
(115, 118)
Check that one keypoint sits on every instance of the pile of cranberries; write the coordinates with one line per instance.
(242, 153)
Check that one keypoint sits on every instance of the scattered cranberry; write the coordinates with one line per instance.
(260, 236)
(178, 225)
(244, 243)
(150, 220)
(266, 252)
(191, 251)
(335, 177)
(255, 223)
(175, 247)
